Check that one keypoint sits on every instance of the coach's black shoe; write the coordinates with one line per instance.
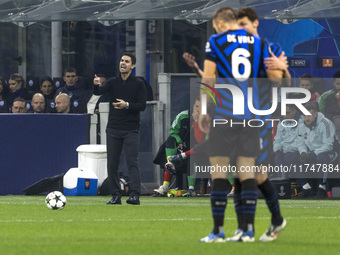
(114, 201)
(133, 200)
(321, 194)
(306, 193)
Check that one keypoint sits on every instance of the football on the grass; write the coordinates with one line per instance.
(55, 200)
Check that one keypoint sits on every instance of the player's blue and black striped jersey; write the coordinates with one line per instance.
(239, 60)
(265, 85)
(265, 97)
(274, 48)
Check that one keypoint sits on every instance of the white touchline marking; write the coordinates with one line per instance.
(142, 220)
(99, 220)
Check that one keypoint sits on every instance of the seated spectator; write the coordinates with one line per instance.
(17, 86)
(78, 95)
(38, 103)
(316, 138)
(285, 144)
(19, 105)
(331, 102)
(47, 88)
(5, 97)
(306, 82)
(62, 103)
(336, 83)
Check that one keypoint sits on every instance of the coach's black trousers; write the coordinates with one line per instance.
(115, 139)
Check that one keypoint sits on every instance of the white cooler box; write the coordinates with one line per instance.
(93, 157)
(80, 182)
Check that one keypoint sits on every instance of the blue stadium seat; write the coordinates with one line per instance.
(28, 105)
(50, 106)
(58, 82)
(32, 84)
(78, 106)
(4, 106)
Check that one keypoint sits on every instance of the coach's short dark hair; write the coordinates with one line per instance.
(248, 12)
(133, 57)
(226, 14)
(312, 106)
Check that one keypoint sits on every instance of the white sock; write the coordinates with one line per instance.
(306, 186)
(165, 185)
(322, 186)
(191, 187)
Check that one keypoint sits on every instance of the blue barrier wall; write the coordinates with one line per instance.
(35, 146)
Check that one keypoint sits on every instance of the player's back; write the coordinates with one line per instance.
(238, 54)
(239, 59)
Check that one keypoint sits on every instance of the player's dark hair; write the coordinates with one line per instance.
(226, 14)
(248, 12)
(133, 58)
(312, 106)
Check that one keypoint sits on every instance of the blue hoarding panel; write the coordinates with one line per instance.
(35, 146)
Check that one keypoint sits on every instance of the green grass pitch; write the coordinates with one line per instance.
(159, 226)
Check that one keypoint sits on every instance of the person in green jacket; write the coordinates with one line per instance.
(322, 100)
